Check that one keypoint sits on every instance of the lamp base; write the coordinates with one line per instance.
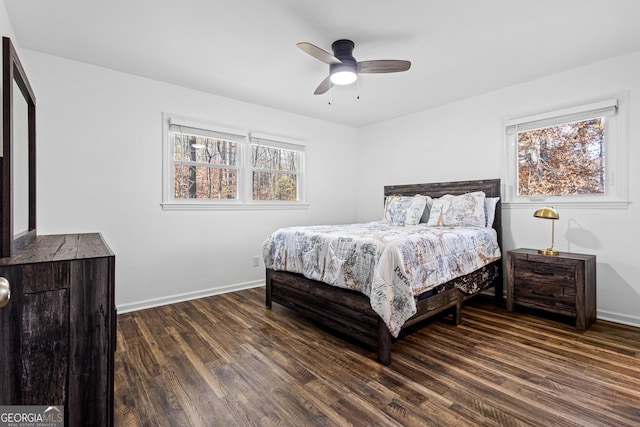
(548, 251)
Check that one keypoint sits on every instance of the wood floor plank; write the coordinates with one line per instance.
(575, 343)
(227, 360)
(478, 392)
(532, 350)
(544, 384)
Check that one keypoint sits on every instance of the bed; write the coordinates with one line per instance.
(351, 312)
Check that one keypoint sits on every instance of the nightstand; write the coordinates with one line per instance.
(563, 284)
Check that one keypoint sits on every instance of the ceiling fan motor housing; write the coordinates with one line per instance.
(343, 50)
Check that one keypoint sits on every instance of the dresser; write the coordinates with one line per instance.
(58, 328)
(562, 284)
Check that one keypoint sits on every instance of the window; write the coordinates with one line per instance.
(275, 170)
(204, 163)
(567, 156)
(210, 167)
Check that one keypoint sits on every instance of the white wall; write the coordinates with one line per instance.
(99, 165)
(464, 140)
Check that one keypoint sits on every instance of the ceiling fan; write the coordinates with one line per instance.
(343, 67)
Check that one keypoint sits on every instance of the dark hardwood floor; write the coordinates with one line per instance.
(227, 360)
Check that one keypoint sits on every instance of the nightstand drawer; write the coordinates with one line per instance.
(543, 273)
(561, 299)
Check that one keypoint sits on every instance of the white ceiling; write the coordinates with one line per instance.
(246, 49)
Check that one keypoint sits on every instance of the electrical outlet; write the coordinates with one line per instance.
(256, 261)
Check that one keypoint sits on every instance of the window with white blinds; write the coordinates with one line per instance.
(212, 167)
(575, 155)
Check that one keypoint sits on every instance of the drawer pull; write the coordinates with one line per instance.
(545, 294)
(542, 272)
(5, 292)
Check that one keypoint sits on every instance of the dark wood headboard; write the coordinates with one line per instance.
(491, 188)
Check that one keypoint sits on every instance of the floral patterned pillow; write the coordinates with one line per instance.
(402, 210)
(465, 209)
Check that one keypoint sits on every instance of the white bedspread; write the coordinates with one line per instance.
(390, 264)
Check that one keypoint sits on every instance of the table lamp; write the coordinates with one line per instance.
(552, 214)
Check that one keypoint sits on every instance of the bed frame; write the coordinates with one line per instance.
(349, 312)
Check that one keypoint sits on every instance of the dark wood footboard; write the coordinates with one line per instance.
(349, 312)
(342, 310)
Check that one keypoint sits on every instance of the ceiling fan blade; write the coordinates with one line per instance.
(383, 66)
(318, 53)
(324, 86)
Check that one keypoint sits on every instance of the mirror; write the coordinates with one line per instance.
(20, 155)
(17, 165)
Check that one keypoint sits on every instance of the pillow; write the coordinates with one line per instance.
(465, 209)
(490, 204)
(401, 210)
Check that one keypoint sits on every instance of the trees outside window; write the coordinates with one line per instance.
(275, 172)
(574, 156)
(562, 159)
(209, 167)
(204, 167)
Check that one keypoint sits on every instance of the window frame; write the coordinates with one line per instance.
(616, 147)
(244, 199)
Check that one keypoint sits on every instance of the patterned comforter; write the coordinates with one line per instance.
(390, 264)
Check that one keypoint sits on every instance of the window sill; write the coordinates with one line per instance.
(232, 206)
(568, 205)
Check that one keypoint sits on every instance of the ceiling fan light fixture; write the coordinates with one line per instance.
(343, 67)
(343, 73)
(343, 77)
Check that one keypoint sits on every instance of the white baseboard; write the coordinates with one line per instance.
(155, 302)
(612, 316)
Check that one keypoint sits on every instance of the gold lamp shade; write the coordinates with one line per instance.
(552, 214)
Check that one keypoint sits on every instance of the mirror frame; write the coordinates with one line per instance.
(12, 71)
